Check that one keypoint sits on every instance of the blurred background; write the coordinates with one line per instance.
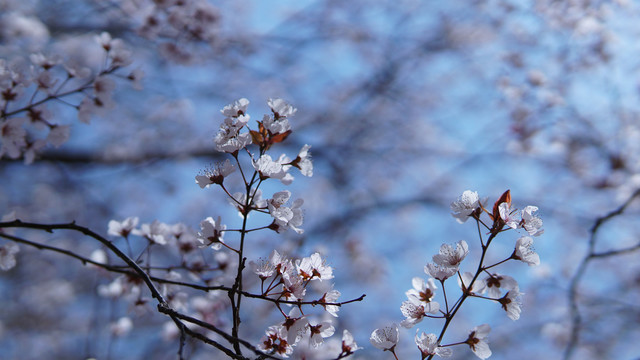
(406, 104)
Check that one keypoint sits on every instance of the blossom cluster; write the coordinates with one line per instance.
(25, 92)
(288, 280)
(495, 287)
(283, 280)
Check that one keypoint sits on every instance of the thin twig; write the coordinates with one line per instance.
(576, 317)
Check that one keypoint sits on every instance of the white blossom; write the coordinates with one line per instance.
(507, 215)
(415, 311)
(296, 326)
(229, 139)
(349, 345)
(294, 286)
(314, 268)
(122, 326)
(466, 204)
(58, 135)
(319, 332)
(211, 233)
(330, 297)
(450, 257)
(303, 161)
(385, 338)
(524, 251)
(269, 168)
(286, 217)
(465, 280)
(532, 223)
(155, 232)
(238, 107)
(428, 345)
(123, 228)
(423, 293)
(280, 108)
(275, 341)
(13, 137)
(215, 175)
(511, 303)
(440, 272)
(8, 253)
(478, 341)
(495, 283)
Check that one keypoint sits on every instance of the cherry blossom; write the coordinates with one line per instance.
(511, 303)
(123, 228)
(280, 108)
(314, 268)
(275, 342)
(276, 126)
(236, 108)
(319, 332)
(122, 326)
(303, 161)
(211, 233)
(349, 345)
(466, 204)
(423, 293)
(8, 253)
(216, 175)
(532, 223)
(229, 139)
(330, 297)
(276, 264)
(414, 311)
(269, 168)
(449, 257)
(465, 280)
(104, 40)
(13, 137)
(155, 232)
(478, 341)
(524, 251)
(296, 326)
(281, 263)
(506, 214)
(428, 345)
(136, 76)
(495, 283)
(264, 269)
(240, 199)
(385, 338)
(293, 287)
(285, 217)
(440, 272)
(58, 134)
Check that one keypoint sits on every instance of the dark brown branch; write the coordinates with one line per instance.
(162, 303)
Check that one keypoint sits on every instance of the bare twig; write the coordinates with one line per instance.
(576, 317)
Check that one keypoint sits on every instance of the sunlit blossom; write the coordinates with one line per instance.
(478, 341)
(524, 251)
(385, 338)
(466, 204)
(450, 257)
(211, 233)
(428, 345)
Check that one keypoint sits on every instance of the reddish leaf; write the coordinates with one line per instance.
(256, 137)
(274, 139)
(506, 197)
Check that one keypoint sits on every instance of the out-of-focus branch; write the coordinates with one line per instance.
(133, 269)
(576, 317)
(163, 306)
